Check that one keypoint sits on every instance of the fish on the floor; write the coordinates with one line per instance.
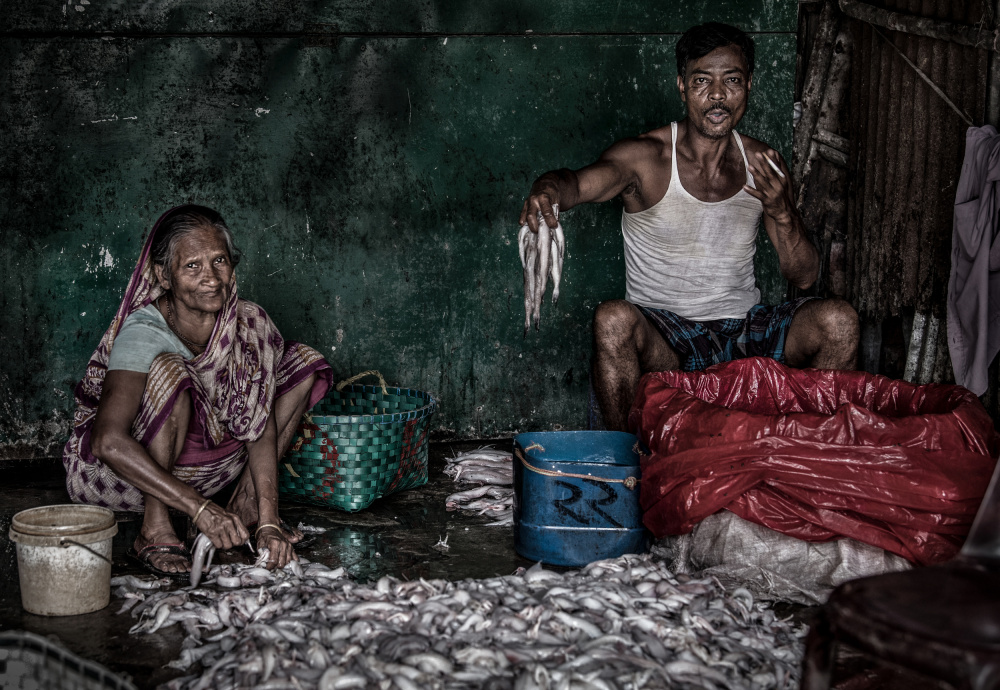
(620, 623)
(494, 471)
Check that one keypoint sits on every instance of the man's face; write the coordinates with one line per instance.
(715, 90)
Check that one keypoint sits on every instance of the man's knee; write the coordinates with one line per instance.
(838, 321)
(825, 337)
(614, 323)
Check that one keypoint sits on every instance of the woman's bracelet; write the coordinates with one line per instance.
(267, 524)
(197, 513)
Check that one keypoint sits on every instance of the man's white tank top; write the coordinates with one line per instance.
(691, 257)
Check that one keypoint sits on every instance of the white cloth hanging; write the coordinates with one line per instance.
(974, 285)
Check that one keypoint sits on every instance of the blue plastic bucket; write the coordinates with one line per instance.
(576, 496)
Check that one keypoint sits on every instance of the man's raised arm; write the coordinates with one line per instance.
(605, 179)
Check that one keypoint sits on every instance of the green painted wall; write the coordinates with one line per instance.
(371, 157)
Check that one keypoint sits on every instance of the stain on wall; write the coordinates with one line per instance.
(372, 159)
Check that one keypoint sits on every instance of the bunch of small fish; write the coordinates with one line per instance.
(542, 255)
(624, 623)
(482, 466)
(493, 470)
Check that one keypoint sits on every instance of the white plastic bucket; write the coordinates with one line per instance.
(64, 558)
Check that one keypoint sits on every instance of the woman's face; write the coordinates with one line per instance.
(201, 274)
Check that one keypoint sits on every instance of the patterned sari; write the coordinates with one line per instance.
(233, 384)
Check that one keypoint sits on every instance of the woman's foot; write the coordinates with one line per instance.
(163, 552)
(243, 504)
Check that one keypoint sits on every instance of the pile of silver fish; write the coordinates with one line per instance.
(542, 255)
(493, 471)
(483, 465)
(624, 623)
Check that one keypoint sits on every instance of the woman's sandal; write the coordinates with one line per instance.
(143, 558)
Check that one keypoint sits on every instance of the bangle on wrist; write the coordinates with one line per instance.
(197, 513)
(256, 535)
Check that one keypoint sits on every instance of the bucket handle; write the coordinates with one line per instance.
(628, 482)
(64, 542)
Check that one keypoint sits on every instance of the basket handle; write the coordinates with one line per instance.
(346, 382)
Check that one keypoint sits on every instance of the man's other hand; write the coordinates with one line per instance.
(774, 184)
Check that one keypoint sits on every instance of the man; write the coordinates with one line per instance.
(694, 193)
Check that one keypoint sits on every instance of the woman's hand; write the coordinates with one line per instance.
(225, 529)
(273, 539)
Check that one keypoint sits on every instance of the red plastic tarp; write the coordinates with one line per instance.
(816, 454)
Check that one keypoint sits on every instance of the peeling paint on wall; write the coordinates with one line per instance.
(373, 182)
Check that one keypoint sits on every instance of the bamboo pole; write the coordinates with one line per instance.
(984, 39)
(812, 92)
(822, 191)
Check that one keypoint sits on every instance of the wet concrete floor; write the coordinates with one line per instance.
(395, 536)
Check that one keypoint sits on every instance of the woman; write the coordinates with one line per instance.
(189, 386)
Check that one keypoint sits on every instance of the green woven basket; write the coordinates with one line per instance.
(358, 444)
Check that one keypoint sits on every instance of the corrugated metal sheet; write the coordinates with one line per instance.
(909, 145)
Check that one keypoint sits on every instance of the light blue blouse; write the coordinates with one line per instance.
(144, 335)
